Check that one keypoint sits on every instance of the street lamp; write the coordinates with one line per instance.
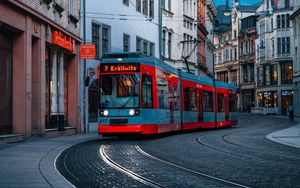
(227, 11)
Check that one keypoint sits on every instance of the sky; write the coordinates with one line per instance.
(243, 2)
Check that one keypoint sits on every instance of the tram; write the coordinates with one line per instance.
(143, 95)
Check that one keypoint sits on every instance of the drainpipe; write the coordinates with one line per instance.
(160, 28)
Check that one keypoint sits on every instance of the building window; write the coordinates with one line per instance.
(287, 73)
(169, 45)
(138, 5)
(288, 45)
(278, 21)
(274, 74)
(287, 3)
(279, 45)
(145, 7)
(164, 43)
(283, 21)
(138, 44)
(233, 103)
(283, 45)
(144, 46)
(152, 49)
(126, 2)
(287, 20)
(126, 43)
(267, 75)
(260, 76)
(105, 39)
(169, 5)
(96, 39)
(151, 8)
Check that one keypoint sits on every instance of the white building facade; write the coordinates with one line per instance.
(274, 65)
(179, 23)
(117, 26)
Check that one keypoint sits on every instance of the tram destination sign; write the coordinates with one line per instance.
(119, 67)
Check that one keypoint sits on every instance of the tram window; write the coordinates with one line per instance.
(147, 91)
(208, 101)
(189, 99)
(106, 85)
(220, 102)
(162, 87)
(232, 103)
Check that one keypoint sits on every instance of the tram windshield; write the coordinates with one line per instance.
(120, 91)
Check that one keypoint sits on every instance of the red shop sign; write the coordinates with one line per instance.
(61, 40)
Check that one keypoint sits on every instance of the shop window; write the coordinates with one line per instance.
(208, 101)
(189, 99)
(147, 91)
(267, 99)
(221, 105)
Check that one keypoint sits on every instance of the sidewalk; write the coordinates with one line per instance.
(289, 136)
(31, 163)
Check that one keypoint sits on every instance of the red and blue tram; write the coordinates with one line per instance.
(144, 95)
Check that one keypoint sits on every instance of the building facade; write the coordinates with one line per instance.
(274, 65)
(228, 52)
(211, 13)
(247, 36)
(39, 67)
(295, 17)
(118, 26)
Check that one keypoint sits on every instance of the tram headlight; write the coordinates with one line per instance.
(131, 112)
(105, 113)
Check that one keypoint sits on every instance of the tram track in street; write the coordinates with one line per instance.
(223, 181)
(126, 171)
(199, 141)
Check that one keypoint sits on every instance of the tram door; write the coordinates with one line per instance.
(171, 102)
(226, 107)
(200, 106)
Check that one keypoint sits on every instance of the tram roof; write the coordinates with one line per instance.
(198, 79)
(226, 85)
(153, 61)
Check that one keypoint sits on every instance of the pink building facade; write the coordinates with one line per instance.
(39, 67)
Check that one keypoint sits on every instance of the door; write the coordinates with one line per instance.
(5, 83)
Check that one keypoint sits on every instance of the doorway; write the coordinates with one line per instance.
(5, 82)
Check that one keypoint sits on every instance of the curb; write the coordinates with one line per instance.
(288, 140)
(47, 164)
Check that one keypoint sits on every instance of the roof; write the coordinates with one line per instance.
(295, 14)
